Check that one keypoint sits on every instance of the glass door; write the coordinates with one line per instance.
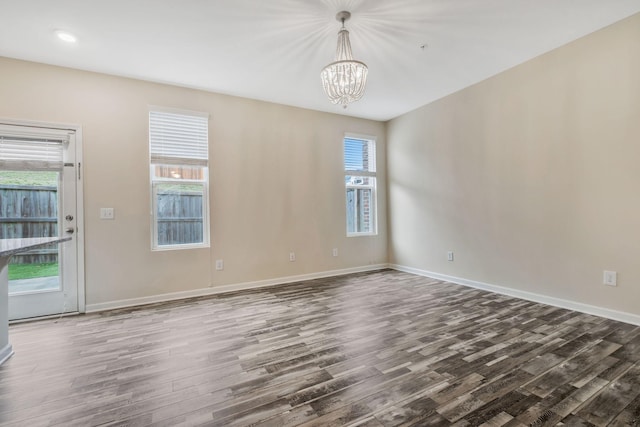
(38, 199)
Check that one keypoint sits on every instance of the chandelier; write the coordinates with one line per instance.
(344, 80)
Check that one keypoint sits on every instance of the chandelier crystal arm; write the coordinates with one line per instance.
(343, 50)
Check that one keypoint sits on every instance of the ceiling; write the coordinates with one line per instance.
(273, 50)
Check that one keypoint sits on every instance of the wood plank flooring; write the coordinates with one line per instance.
(371, 349)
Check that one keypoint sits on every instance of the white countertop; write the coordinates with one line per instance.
(9, 247)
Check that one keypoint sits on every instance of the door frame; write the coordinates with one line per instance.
(79, 196)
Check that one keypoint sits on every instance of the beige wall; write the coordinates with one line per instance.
(276, 182)
(531, 177)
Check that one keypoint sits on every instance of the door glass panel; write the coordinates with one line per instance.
(29, 206)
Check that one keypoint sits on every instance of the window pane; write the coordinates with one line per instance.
(179, 213)
(360, 204)
(179, 172)
(179, 156)
(359, 155)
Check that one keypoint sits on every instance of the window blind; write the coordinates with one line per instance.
(178, 139)
(31, 151)
(359, 155)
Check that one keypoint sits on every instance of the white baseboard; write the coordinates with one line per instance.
(92, 308)
(6, 353)
(621, 316)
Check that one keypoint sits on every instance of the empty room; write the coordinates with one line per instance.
(320, 213)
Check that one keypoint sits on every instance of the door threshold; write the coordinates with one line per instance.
(48, 317)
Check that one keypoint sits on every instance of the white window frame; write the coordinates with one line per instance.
(156, 181)
(372, 186)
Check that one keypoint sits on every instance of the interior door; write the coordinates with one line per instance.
(38, 187)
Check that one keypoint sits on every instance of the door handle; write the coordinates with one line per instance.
(70, 230)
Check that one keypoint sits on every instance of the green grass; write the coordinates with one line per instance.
(35, 178)
(29, 271)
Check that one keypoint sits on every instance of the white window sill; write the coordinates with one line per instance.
(180, 247)
(361, 234)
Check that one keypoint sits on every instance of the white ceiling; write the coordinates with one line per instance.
(273, 50)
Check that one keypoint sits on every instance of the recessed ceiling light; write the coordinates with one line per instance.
(66, 37)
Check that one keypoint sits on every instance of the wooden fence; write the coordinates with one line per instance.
(179, 218)
(29, 211)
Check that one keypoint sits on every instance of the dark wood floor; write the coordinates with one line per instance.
(372, 349)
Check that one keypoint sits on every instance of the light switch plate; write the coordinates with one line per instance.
(107, 213)
(610, 278)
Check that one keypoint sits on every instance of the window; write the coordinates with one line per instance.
(360, 185)
(179, 160)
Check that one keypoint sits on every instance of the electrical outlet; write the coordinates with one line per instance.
(335, 252)
(219, 264)
(449, 256)
(292, 256)
(610, 278)
(106, 213)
